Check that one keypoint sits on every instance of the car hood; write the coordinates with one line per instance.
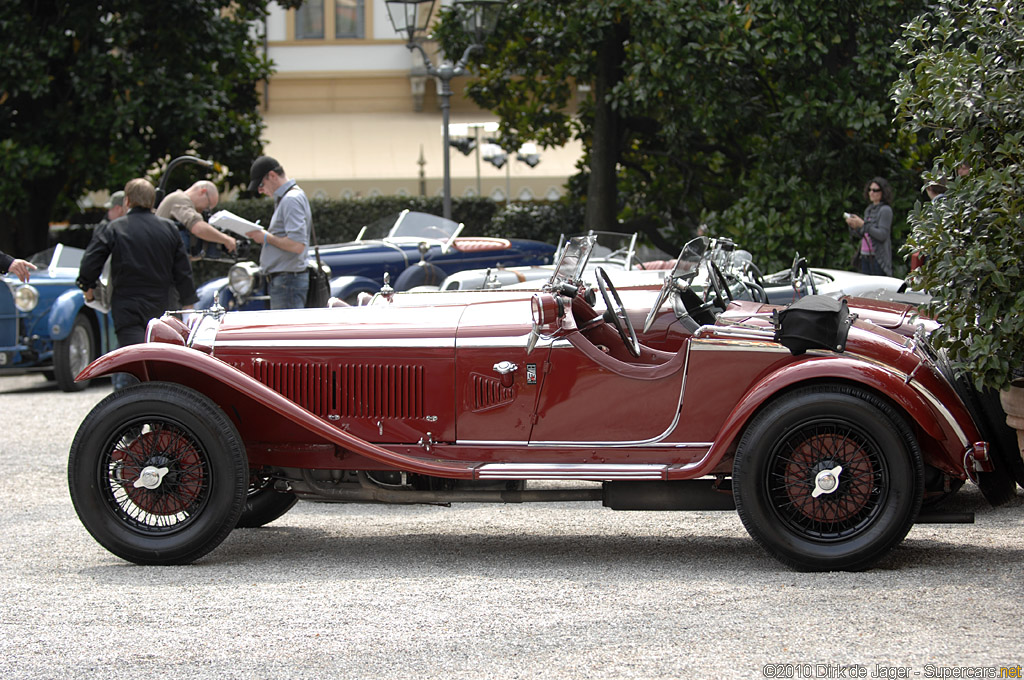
(297, 327)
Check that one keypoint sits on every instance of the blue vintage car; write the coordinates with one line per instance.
(45, 324)
(413, 248)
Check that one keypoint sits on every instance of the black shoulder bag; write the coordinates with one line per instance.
(319, 277)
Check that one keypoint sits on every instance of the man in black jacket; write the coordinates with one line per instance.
(147, 258)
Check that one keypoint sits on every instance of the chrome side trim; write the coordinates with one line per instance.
(582, 445)
(281, 343)
(943, 411)
(514, 341)
(740, 332)
(738, 345)
(570, 471)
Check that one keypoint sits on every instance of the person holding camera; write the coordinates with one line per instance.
(874, 230)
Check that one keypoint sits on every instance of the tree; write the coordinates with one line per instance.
(964, 93)
(762, 119)
(100, 92)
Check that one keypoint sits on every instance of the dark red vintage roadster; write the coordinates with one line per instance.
(824, 431)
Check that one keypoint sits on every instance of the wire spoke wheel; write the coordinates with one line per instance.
(791, 481)
(74, 353)
(828, 477)
(158, 474)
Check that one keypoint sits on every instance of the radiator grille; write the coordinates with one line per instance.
(348, 390)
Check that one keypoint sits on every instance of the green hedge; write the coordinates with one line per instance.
(338, 221)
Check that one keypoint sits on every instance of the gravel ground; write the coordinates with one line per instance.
(481, 591)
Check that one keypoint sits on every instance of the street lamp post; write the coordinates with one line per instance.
(411, 18)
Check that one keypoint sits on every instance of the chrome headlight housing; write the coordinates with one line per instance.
(26, 297)
(242, 278)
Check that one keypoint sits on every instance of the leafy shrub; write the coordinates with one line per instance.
(965, 90)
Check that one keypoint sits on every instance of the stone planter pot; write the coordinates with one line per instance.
(1012, 399)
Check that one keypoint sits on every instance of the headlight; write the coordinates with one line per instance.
(546, 309)
(242, 277)
(26, 298)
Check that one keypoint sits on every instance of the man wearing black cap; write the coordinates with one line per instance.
(285, 241)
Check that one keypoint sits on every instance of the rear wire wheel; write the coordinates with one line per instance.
(263, 503)
(158, 474)
(828, 478)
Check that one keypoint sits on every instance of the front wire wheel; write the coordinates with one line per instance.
(828, 478)
(158, 474)
(74, 353)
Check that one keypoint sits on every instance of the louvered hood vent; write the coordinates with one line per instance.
(488, 393)
(348, 390)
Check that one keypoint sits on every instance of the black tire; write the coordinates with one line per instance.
(74, 353)
(263, 504)
(797, 439)
(1000, 485)
(938, 488)
(194, 457)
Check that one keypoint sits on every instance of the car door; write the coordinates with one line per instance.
(497, 380)
(588, 397)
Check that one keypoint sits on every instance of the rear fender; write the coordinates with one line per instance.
(151, 362)
(920, 407)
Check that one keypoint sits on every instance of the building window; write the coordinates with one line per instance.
(309, 20)
(349, 19)
(331, 19)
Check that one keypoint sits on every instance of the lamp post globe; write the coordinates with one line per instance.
(411, 18)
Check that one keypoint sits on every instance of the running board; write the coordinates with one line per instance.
(939, 517)
(581, 471)
(683, 494)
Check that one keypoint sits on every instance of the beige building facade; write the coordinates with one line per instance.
(350, 112)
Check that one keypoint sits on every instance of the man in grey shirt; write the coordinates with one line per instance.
(286, 240)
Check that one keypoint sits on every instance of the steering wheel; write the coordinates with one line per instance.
(618, 313)
(803, 272)
(720, 286)
(666, 290)
(751, 272)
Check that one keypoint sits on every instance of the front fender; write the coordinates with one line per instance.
(922, 408)
(208, 290)
(162, 362)
(343, 287)
(63, 312)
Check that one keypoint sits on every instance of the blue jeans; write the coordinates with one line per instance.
(869, 265)
(288, 290)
